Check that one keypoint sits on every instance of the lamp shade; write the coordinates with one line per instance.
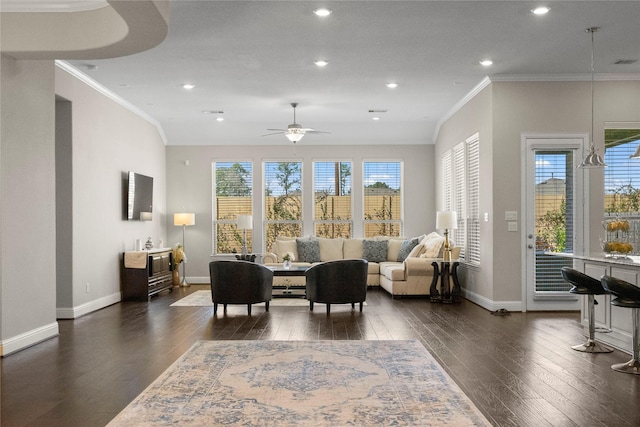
(446, 220)
(184, 219)
(245, 222)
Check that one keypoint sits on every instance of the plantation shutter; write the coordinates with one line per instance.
(472, 254)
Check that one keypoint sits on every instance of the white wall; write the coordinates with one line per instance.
(27, 204)
(108, 140)
(189, 188)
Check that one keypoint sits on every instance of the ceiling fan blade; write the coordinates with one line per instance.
(316, 131)
(274, 133)
(278, 130)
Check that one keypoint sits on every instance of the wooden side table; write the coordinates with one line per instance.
(447, 273)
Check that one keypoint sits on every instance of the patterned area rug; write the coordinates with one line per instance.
(203, 299)
(303, 383)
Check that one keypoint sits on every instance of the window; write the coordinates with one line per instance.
(622, 184)
(282, 200)
(382, 198)
(461, 193)
(332, 199)
(232, 184)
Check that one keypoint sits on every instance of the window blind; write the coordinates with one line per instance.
(232, 196)
(332, 199)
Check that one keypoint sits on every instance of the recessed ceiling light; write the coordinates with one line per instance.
(486, 62)
(375, 118)
(220, 119)
(323, 11)
(188, 86)
(392, 85)
(321, 63)
(541, 10)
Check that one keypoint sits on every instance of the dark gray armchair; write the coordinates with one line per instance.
(337, 282)
(239, 282)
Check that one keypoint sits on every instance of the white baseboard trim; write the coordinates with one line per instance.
(86, 308)
(28, 339)
(204, 280)
(490, 304)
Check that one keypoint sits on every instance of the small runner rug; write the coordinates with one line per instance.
(303, 383)
(203, 299)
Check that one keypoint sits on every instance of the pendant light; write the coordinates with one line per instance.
(592, 159)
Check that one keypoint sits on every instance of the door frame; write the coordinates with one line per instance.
(580, 142)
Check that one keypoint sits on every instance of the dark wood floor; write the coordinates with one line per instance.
(518, 369)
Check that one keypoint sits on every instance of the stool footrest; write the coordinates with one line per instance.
(592, 347)
(630, 367)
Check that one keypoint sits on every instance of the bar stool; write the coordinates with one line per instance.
(628, 296)
(586, 285)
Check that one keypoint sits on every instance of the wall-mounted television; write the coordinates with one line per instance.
(139, 197)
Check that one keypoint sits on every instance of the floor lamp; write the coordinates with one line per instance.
(245, 222)
(184, 219)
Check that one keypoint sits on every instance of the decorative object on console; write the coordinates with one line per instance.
(446, 220)
(149, 244)
(244, 223)
(592, 159)
(184, 219)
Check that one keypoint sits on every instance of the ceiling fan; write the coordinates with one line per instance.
(294, 132)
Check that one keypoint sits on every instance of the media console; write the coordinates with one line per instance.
(142, 283)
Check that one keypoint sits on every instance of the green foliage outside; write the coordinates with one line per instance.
(551, 230)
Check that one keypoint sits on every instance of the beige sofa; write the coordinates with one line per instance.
(403, 269)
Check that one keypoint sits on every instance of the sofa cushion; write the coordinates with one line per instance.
(330, 249)
(373, 268)
(308, 249)
(416, 251)
(393, 271)
(281, 247)
(352, 248)
(393, 248)
(406, 248)
(374, 250)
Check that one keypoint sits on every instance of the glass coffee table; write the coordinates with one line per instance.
(288, 290)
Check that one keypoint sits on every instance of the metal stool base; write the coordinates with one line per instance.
(592, 347)
(631, 367)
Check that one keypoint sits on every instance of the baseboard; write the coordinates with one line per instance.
(86, 308)
(204, 280)
(490, 304)
(28, 339)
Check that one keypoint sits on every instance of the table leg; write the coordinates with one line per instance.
(433, 290)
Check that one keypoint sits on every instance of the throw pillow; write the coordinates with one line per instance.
(308, 250)
(432, 244)
(374, 250)
(406, 248)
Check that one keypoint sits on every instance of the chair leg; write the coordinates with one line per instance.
(591, 346)
(224, 307)
(249, 309)
(361, 304)
(310, 305)
(353, 306)
(266, 304)
(633, 365)
(328, 308)
(215, 308)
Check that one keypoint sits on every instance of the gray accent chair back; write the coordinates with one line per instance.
(239, 282)
(337, 282)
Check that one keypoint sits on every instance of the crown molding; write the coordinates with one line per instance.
(495, 78)
(63, 65)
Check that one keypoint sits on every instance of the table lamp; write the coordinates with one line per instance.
(446, 220)
(244, 223)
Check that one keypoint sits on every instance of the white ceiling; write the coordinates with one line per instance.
(251, 59)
